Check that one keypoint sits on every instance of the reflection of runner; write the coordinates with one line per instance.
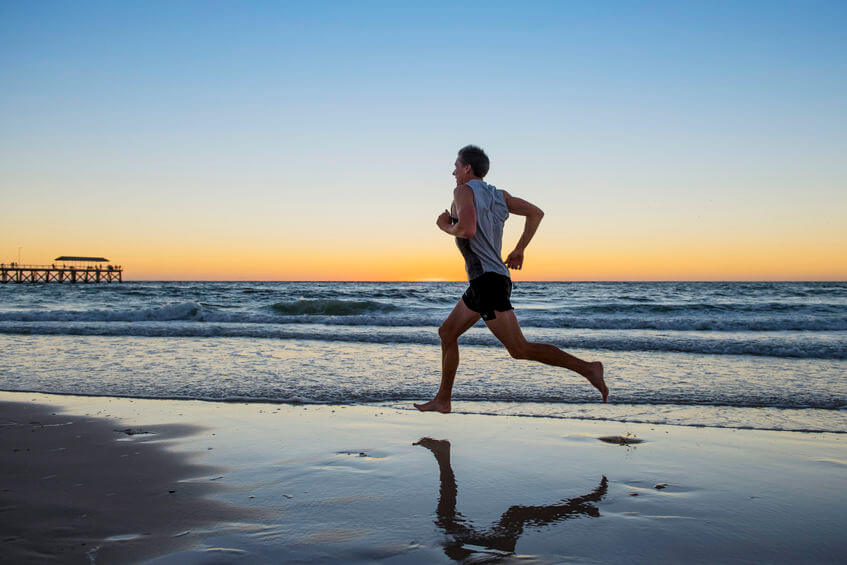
(481, 210)
(502, 535)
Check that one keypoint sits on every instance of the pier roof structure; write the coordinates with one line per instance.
(86, 259)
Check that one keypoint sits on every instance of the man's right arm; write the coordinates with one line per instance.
(533, 214)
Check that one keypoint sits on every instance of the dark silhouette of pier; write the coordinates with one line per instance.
(81, 270)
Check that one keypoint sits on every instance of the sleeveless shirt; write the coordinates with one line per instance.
(482, 252)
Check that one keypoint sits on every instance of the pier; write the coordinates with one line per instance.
(81, 270)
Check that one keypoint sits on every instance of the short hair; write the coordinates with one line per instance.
(476, 158)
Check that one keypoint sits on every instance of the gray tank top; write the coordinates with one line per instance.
(482, 252)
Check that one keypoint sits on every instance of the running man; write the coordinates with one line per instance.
(478, 213)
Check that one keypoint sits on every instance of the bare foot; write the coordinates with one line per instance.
(595, 377)
(437, 405)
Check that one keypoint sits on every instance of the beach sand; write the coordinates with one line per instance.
(113, 480)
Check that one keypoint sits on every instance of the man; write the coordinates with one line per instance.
(479, 211)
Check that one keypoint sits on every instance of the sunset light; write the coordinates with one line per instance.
(375, 281)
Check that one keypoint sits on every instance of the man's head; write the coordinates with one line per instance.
(471, 162)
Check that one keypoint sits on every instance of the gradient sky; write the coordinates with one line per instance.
(289, 141)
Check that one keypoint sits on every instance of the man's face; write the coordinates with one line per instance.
(462, 172)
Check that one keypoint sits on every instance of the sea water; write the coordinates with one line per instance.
(740, 355)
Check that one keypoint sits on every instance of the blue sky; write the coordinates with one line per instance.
(721, 119)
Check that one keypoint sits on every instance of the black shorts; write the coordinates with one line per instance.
(487, 293)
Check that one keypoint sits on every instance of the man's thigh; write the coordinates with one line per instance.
(505, 328)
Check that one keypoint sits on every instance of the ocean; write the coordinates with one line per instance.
(754, 355)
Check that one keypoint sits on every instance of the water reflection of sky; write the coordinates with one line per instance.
(348, 482)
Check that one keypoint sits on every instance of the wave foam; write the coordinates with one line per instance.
(802, 346)
(331, 307)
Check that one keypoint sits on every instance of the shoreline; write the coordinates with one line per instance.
(507, 409)
(371, 483)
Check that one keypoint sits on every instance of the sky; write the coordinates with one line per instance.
(315, 140)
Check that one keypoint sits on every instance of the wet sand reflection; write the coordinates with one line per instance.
(502, 535)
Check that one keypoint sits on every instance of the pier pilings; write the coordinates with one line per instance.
(15, 273)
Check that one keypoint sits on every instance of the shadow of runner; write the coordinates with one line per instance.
(502, 535)
(71, 492)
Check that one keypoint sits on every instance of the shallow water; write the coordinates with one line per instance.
(747, 355)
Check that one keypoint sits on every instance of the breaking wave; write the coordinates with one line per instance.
(331, 307)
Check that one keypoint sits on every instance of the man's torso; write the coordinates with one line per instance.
(482, 252)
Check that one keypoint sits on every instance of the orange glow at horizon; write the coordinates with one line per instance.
(585, 265)
(433, 257)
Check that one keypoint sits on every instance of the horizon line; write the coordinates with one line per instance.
(521, 281)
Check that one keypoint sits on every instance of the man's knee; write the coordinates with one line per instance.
(447, 334)
(519, 351)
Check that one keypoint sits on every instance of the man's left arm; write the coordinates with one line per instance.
(533, 215)
(465, 211)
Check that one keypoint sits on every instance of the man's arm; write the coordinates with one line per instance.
(533, 214)
(466, 212)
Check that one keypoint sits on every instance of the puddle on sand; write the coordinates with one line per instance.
(621, 440)
(124, 537)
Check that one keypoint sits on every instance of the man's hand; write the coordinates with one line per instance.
(515, 259)
(444, 220)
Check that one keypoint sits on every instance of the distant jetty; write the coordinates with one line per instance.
(65, 269)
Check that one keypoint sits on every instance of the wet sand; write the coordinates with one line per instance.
(81, 489)
(227, 482)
